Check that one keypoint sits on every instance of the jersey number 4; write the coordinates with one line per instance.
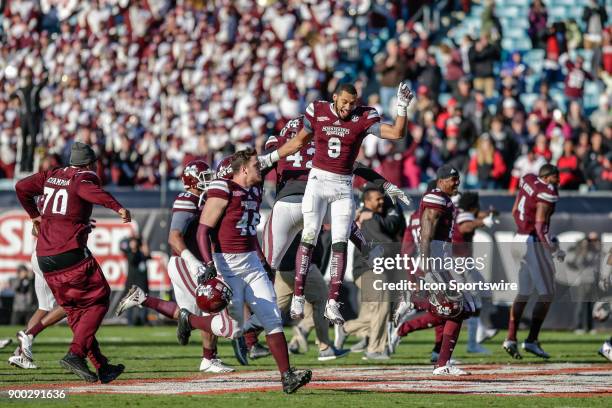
(521, 208)
(297, 158)
(60, 200)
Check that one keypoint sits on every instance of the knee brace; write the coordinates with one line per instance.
(339, 247)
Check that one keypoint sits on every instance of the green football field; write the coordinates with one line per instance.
(152, 353)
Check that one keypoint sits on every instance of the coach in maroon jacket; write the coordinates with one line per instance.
(72, 273)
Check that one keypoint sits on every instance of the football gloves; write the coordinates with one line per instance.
(206, 272)
(395, 193)
(404, 97)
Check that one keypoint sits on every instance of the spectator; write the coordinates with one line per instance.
(24, 302)
(515, 70)
(504, 143)
(391, 67)
(137, 254)
(490, 24)
(487, 164)
(528, 163)
(576, 120)
(575, 79)
(483, 56)
(381, 222)
(568, 164)
(556, 45)
(601, 118)
(538, 20)
(595, 18)
(602, 173)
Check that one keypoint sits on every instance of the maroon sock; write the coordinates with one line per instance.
(449, 339)
(201, 322)
(336, 271)
(34, 330)
(302, 265)
(250, 338)
(357, 238)
(540, 310)
(162, 306)
(209, 354)
(277, 343)
(515, 318)
(439, 330)
(425, 321)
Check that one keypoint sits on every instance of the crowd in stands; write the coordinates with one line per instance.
(136, 78)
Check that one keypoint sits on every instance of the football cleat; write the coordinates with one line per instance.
(78, 366)
(483, 334)
(402, 311)
(606, 350)
(22, 362)
(25, 341)
(293, 379)
(535, 348)
(258, 351)
(297, 307)
(340, 336)
(361, 345)
(214, 366)
(449, 370)
(240, 350)
(110, 372)
(332, 312)
(183, 329)
(300, 338)
(332, 353)
(5, 342)
(512, 348)
(135, 297)
(394, 340)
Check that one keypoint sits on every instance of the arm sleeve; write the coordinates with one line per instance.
(180, 221)
(89, 190)
(368, 174)
(27, 189)
(203, 239)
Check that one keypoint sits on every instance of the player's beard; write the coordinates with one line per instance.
(340, 114)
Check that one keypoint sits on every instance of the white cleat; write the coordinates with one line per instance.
(22, 362)
(135, 297)
(606, 350)
(297, 307)
(535, 348)
(332, 312)
(394, 340)
(5, 342)
(25, 341)
(450, 370)
(214, 366)
(402, 311)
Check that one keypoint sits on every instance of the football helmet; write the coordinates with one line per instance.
(224, 168)
(197, 174)
(213, 295)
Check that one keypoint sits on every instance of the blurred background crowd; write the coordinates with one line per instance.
(502, 86)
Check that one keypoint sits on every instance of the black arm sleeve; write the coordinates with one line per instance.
(368, 174)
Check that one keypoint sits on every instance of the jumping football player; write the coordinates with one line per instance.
(72, 273)
(184, 266)
(534, 250)
(228, 227)
(338, 129)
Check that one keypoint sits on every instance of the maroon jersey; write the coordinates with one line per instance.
(440, 201)
(337, 141)
(291, 171)
(412, 234)
(462, 242)
(532, 190)
(191, 205)
(69, 196)
(236, 232)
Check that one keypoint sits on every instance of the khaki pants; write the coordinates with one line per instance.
(486, 85)
(372, 319)
(315, 292)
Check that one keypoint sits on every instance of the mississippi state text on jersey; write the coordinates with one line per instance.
(532, 190)
(240, 218)
(69, 196)
(191, 204)
(337, 141)
(440, 201)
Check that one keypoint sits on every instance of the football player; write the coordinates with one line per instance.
(227, 238)
(184, 265)
(437, 214)
(72, 273)
(534, 250)
(337, 128)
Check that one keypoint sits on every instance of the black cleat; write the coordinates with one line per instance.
(183, 330)
(293, 379)
(78, 366)
(258, 351)
(110, 372)
(240, 350)
(512, 348)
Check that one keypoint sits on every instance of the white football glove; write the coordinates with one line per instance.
(490, 220)
(267, 160)
(395, 193)
(404, 97)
